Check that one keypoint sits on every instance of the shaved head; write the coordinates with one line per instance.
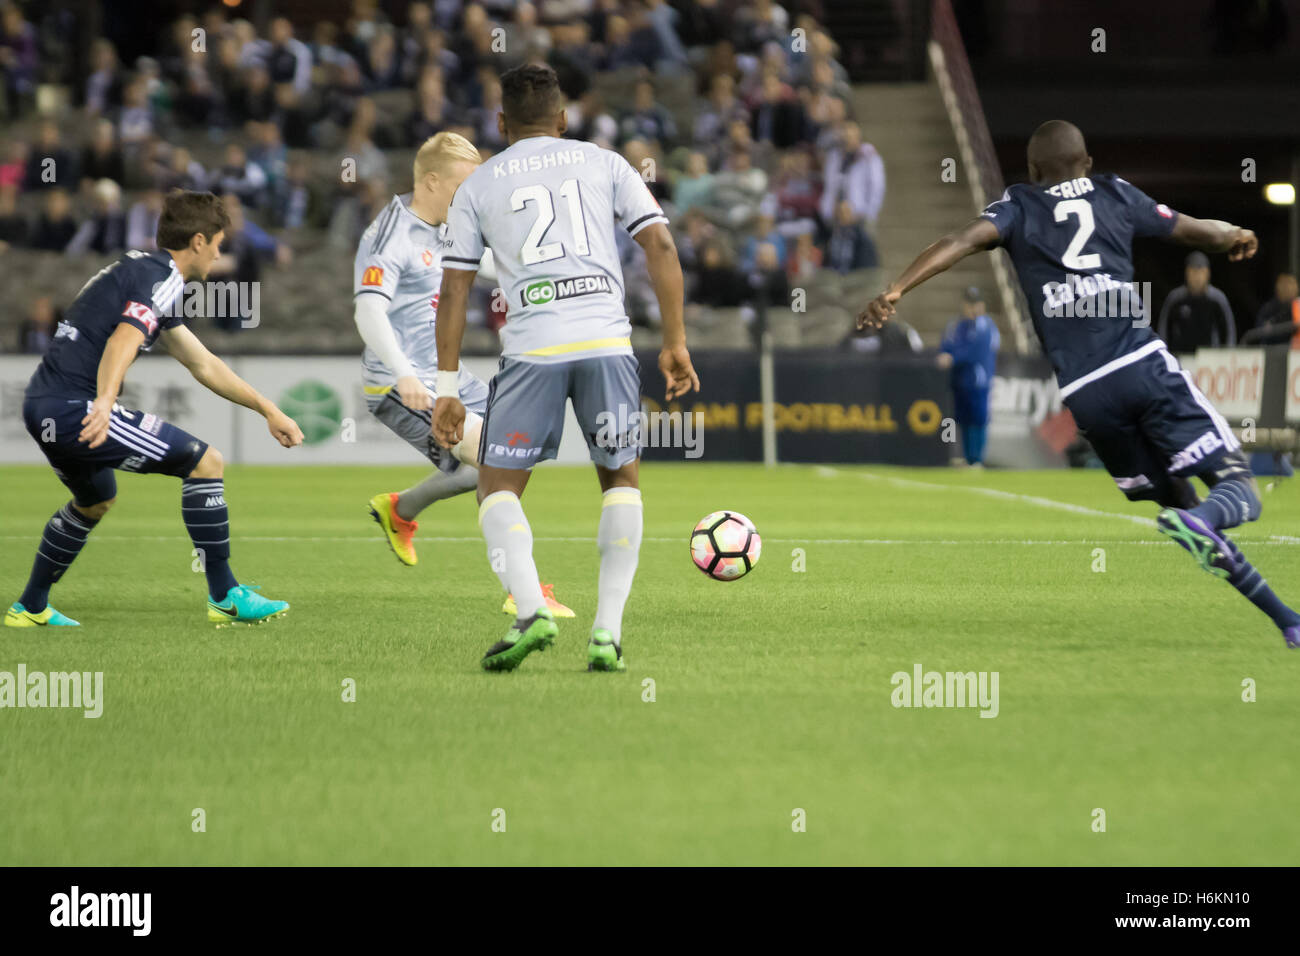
(1057, 152)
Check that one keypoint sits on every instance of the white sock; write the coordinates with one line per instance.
(439, 485)
(619, 540)
(510, 543)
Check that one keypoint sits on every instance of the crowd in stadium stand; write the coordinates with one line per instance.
(770, 182)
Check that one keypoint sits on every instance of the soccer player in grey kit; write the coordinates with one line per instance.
(547, 207)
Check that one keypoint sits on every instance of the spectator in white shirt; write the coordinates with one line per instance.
(855, 174)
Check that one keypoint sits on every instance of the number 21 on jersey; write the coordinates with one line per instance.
(534, 249)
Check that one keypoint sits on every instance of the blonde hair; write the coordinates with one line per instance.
(440, 151)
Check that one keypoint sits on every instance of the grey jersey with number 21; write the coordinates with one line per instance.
(548, 208)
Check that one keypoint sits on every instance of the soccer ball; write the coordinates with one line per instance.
(725, 545)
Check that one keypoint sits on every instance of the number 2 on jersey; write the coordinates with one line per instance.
(1082, 209)
(534, 250)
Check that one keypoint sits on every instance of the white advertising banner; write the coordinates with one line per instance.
(16, 446)
(323, 394)
(1293, 386)
(1232, 379)
(325, 397)
(154, 383)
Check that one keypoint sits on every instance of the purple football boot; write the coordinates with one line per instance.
(1291, 635)
(1211, 551)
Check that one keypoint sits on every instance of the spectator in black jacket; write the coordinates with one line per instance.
(240, 176)
(102, 159)
(627, 45)
(432, 113)
(1196, 315)
(719, 283)
(572, 58)
(36, 331)
(55, 226)
(701, 23)
(767, 278)
(849, 247)
(895, 337)
(647, 119)
(778, 117)
(50, 164)
(1278, 308)
(105, 230)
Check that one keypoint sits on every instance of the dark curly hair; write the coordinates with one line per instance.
(530, 95)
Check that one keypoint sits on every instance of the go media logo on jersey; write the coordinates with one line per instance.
(547, 290)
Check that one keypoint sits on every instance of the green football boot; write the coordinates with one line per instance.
(534, 634)
(604, 653)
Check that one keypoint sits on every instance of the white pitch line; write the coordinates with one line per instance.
(1036, 500)
(823, 471)
(1010, 496)
(874, 542)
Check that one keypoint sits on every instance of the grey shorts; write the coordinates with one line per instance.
(525, 410)
(416, 426)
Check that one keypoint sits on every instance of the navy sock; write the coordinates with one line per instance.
(203, 507)
(1231, 502)
(1255, 589)
(64, 535)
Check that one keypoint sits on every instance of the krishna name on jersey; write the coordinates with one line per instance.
(400, 258)
(548, 208)
(141, 289)
(1072, 246)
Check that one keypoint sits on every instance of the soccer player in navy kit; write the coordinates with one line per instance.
(71, 410)
(1070, 236)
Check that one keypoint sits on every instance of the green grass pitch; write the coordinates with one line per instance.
(1120, 689)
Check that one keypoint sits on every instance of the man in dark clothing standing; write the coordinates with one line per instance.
(1196, 315)
(1278, 308)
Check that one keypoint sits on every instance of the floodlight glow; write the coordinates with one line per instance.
(1280, 194)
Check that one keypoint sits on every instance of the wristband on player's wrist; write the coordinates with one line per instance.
(447, 383)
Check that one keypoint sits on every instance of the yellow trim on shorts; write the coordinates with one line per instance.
(376, 389)
(613, 343)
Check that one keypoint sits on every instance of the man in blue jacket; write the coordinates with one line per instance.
(971, 343)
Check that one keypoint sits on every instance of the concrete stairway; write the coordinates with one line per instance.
(907, 123)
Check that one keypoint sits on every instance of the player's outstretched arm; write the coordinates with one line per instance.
(453, 301)
(215, 375)
(122, 347)
(666, 276)
(977, 235)
(1215, 235)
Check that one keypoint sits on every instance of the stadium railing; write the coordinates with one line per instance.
(962, 102)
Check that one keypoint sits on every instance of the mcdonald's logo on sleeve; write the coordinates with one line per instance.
(374, 275)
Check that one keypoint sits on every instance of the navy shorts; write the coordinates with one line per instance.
(1147, 422)
(136, 442)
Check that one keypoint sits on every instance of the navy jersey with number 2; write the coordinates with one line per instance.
(1071, 244)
